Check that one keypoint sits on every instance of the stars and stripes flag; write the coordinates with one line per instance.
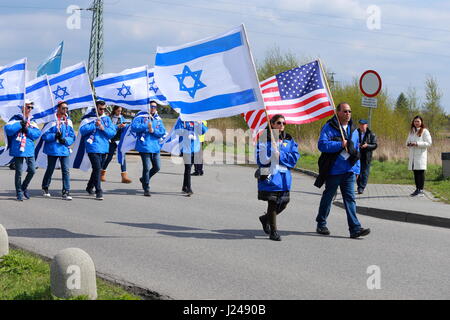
(299, 94)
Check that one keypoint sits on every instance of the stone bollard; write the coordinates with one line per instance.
(445, 156)
(4, 245)
(72, 274)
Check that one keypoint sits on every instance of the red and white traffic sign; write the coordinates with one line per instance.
(370, 83)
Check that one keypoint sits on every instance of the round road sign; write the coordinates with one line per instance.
(370, 83)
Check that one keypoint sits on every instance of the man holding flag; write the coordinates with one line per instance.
(58, 135)
(22, 131)
(96, 129)
(149, 129)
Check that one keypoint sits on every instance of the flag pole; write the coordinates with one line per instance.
(92, 93)
(148, 95)
(259, 88)
(331, 98)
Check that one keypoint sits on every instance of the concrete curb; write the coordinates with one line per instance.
(400, 216)
(387, 214)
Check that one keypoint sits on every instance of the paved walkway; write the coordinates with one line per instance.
(393, 202)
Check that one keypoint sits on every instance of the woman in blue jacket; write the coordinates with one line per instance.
(275, 160)
(189, 132)
(149, 130)
(57, 138)
(96, 133)
(22, 131)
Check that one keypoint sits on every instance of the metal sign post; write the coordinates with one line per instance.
(370, 86)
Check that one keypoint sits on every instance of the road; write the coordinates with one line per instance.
(211, 245)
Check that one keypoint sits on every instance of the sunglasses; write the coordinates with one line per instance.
(30, 107)
(102, 109)
(347, 111)
(282, 123)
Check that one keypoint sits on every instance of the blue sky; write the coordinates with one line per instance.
(413, 41)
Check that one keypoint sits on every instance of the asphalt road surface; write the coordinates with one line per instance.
(211, 245)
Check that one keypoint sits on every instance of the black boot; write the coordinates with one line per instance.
(274, 235)
(265, 224)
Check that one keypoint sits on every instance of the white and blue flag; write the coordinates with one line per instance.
(210, 78)
(12, 88)
(72, 86)
(171, 142)
(52, 64)
(128, 89)
(154, 93)
(38, 91)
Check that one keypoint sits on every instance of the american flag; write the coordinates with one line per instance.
(299, 94)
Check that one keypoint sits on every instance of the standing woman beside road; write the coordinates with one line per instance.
(419, 140)
(274, 175)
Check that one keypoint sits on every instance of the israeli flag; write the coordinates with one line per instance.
(154, 92)
(210, 78)
(128, 89)
(12, 88)
(171, 143)
(38, 91)
(72, 86)
(79, 158)
(52, 64)
(128, 139)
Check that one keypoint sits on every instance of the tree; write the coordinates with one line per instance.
(433, 112)
(402, 105)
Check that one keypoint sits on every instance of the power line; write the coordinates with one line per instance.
(302, 22)
(275, 34)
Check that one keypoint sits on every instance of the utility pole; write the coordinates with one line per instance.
(95, 65)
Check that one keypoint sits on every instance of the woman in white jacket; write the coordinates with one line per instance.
(419, 140)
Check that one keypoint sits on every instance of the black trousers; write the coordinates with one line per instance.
(274, 208)
(419, 178)
(188, 159)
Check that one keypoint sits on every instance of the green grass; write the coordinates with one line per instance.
(24, 276)
(393, 172)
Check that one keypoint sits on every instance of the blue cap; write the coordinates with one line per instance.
(363, 121)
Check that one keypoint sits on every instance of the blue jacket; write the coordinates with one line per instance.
(280, 178)
(96, 140)
(191, 131)
(52, 146)
(147, 142)
(330, 141)
(12, 129)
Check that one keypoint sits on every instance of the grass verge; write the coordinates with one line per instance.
(25, 276)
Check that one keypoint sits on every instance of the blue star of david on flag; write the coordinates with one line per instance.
(1, 84)
(152, 86)
(121, 91)
(195, 75)
(60, 93)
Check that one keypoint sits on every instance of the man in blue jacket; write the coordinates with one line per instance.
(22, 131)
(58, 136)
(96, 132)
(149, 129)
(337, 168)
(189, 138)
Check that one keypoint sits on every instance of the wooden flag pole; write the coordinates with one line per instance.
(259, 89)
(332, 101)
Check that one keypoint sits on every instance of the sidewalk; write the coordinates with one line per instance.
(393, 202)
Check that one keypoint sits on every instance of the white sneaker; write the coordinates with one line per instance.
(66, 196)
(45, 193)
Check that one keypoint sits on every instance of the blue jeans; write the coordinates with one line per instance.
(97, 160)
(346, 182)
(112, 150)
(363, 176)
(51, 164)
(21, 186)
(151, 164)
